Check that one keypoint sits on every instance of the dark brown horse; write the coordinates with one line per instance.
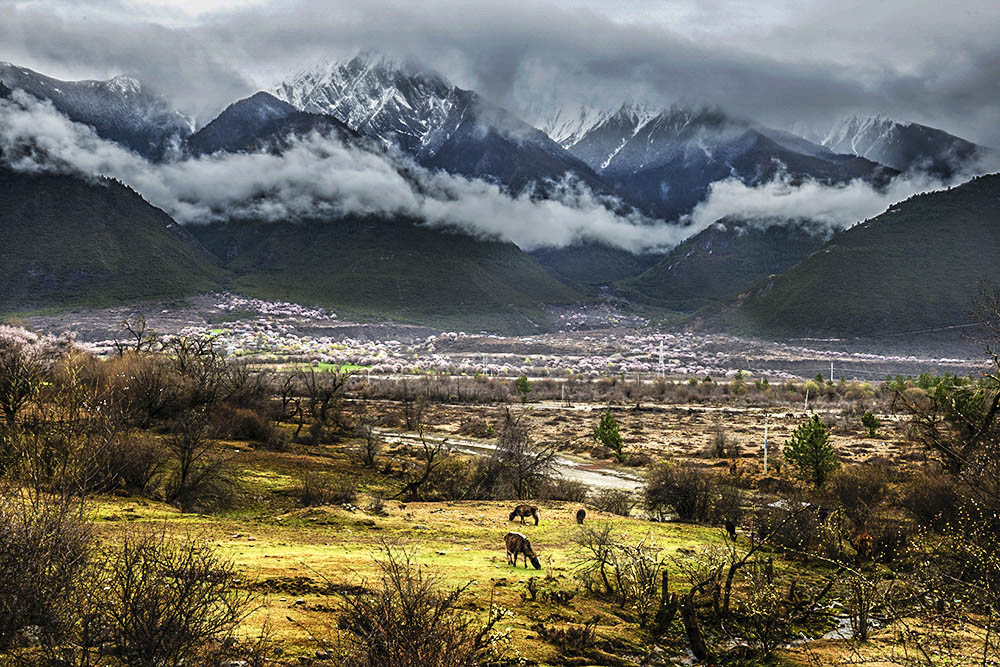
(524, 511)
(863, 544)
(581, 514)
(518, 545)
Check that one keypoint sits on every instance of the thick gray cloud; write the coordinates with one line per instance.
(789, 63)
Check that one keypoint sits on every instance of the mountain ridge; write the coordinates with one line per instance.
(904, 145)
(916, 266)
(120, 109)
(666, 161)
(405, 106)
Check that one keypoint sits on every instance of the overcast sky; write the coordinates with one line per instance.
(795, 64)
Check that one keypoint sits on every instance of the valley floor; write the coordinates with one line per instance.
(591, 341)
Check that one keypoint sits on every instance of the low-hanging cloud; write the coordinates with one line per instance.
(835, 205)
(319, 176)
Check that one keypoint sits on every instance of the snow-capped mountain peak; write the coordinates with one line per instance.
(398, 102)
(902, 145)
(568, 125)
(858, 134)
(123, 85)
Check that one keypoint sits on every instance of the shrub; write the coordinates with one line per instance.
(568, 490)
(859, 490)
(571, 639)
(163, 602)
(889, 539)
(615, 501)
(728, 504)
(202, 479)
(600, 452)
(811, 388)
(145, 389)
(371, 445)
(123, 462)
(790, 525)
(476, 428)
(317, 490)
(689, 492)
(44, 549)
(632, 575)
(638, 460)
(377, 507)
(455, 479)
(405, 619)
(810, 451)
(932, 499)
(721, 447)
(246, 424)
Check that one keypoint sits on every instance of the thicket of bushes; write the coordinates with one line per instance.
(140, 599)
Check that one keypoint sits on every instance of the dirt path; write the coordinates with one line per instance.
(593, 475)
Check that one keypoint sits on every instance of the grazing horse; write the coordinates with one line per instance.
(863, 545)
(518, 545)
(581, 514)
(824, 514)
(524, 511)
(731, 529)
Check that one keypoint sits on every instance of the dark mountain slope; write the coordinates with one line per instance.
(73, 243)
(590, 265)
(481, 141)
(916, 266)
(259, 121)
(389, 268)
(239, 124)
(728, 257)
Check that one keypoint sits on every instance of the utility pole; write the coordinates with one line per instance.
(662, 374)
(831, 370)
(765, 442)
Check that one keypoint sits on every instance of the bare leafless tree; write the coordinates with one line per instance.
(633, 575)
(136, 336)
(432, 453)
(202, 477)
(371, 444)
(44, 551)
(517, 458)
